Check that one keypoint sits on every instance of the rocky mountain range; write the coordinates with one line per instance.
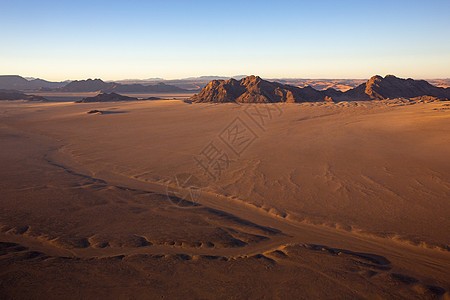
(16, 82)
(248, 89)
(98, 85)
(253, 89)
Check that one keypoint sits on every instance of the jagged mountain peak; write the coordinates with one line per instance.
(255, 89)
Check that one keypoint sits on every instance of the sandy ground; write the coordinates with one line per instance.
(315, 200)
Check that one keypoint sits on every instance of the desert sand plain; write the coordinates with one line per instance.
(345, 200)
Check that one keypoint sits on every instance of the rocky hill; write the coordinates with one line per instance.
(391, 87)
(105, 97)
(253, 89)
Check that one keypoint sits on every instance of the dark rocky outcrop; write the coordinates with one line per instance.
(152, 98)
(105, 97)
(95, 111)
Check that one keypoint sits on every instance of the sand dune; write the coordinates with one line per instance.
(316, 200)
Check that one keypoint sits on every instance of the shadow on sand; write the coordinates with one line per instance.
(105, 112)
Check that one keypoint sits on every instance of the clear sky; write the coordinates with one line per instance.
(58, 40)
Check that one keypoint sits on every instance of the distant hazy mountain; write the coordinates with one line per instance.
(89, 85)
(96, 85)
(139, 88)
(141, 81)
(16, 95)
(253, 89)
(322, 84)
(193, 84)
(209, 78)
(19, 83)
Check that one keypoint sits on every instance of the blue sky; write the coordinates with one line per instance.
(60, 40)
